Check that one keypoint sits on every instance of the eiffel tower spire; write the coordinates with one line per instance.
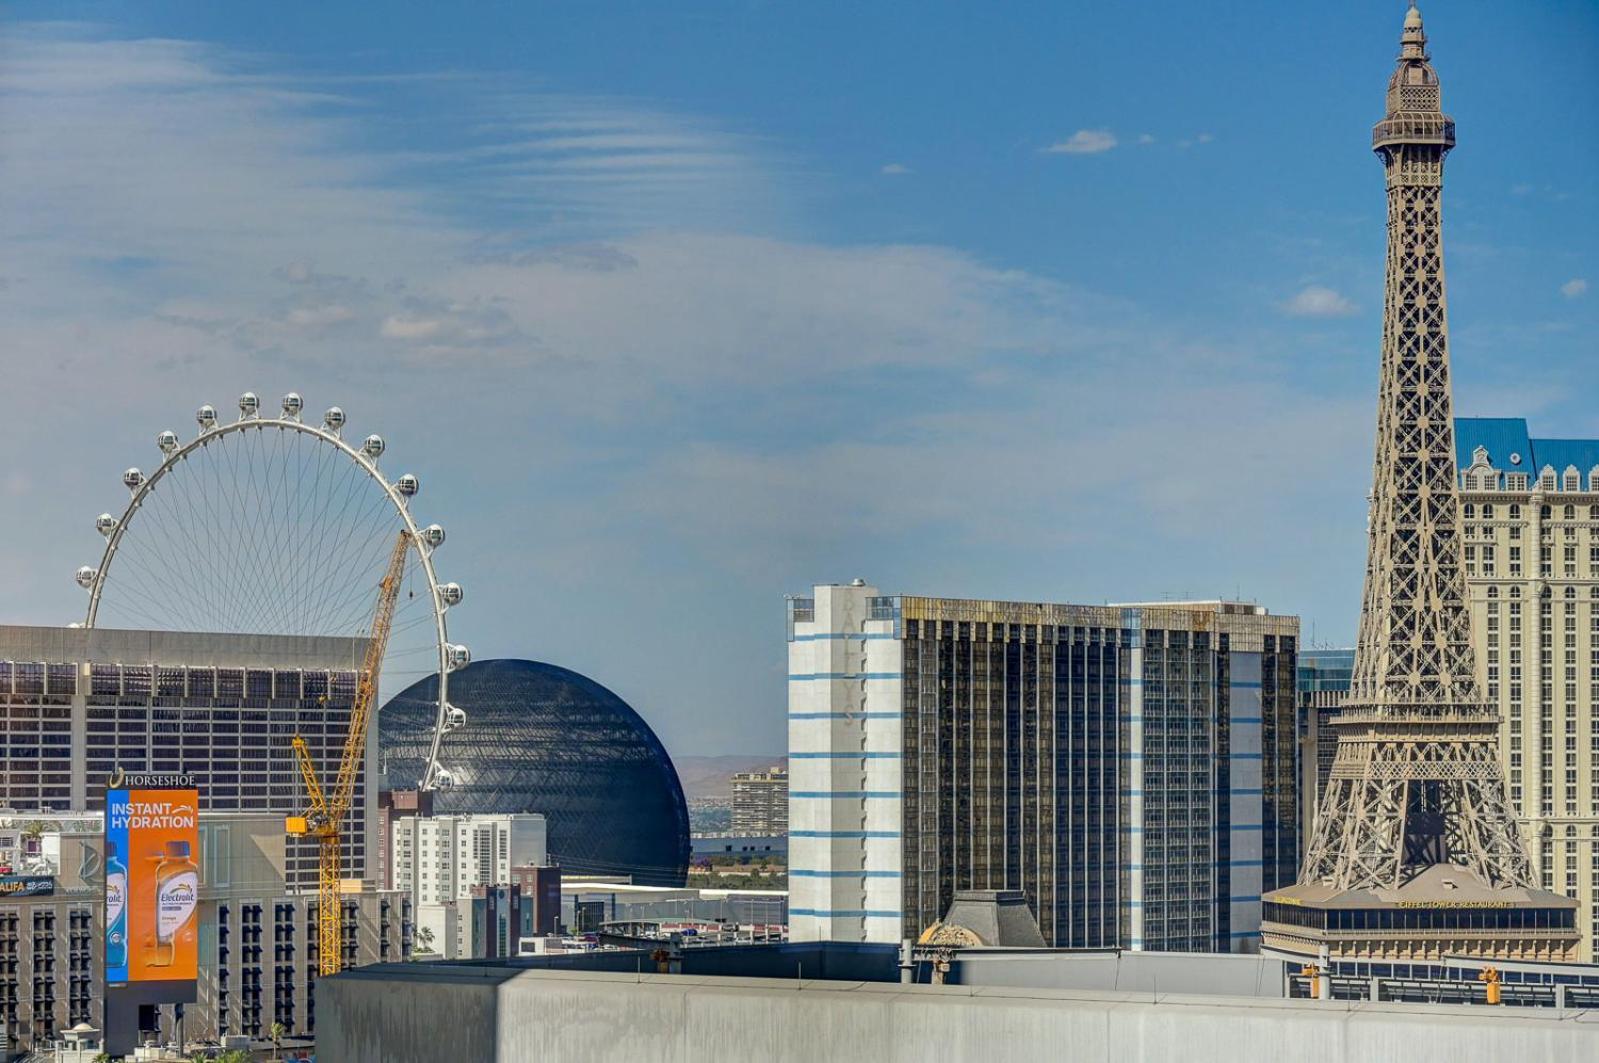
(1416, 780)
(1415, 814)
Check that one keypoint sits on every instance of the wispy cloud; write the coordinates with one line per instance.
(895, 169)
(1318, 301)
(583, 319)
(1575, 288)
(1084, 142)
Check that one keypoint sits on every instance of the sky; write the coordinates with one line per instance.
(680, 308)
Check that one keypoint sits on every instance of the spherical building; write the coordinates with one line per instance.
(539, 738)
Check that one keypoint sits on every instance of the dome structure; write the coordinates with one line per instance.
(540, 738)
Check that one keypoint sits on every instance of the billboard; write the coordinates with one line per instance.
(27, 885)
(152, 875)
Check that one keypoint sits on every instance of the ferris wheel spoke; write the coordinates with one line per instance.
(240, 537)
(349, 570)
(177, 577)
(333, 528)
(259, 516)
(201, 556)
(194, 578)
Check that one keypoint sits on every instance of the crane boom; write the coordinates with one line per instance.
(328, 808)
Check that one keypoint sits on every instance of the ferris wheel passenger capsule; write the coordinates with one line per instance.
(454, 718)
(451, 594)
(249, 405)
(433, 535)
(207, 416)
(408, 485)
(105, 524)
(372, 447)
(444, 778)
(333, 420)
(458, 656)
(132, 479)
(85, 577)
(167, 442)
(292, 405)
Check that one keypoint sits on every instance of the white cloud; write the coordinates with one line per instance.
(1574, 288)
(632, 348)
(1084, 142)
(1318, 301)
(1146, 138)
(895, 168)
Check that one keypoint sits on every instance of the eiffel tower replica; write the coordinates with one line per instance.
(1415, 854)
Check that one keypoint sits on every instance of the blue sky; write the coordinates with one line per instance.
(677, 308)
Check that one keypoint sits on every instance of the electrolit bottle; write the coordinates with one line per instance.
(177, 894)
(116, 908)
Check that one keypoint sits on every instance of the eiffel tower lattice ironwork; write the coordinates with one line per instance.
(1416, 781)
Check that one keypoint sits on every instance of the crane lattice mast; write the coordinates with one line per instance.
(326, 811)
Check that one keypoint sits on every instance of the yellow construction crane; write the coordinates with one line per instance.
(322, 819)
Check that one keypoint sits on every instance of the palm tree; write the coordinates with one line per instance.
(276, 1033)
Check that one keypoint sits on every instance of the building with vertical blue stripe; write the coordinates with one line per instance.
(1130, 769)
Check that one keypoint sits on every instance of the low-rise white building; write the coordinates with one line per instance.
(438, 859)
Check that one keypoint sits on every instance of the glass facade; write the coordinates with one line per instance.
(1010, 775)
(228, 727)
(1422, 917)
(1281, 838)
(1186, 859)
(232, 729)
(1321, 686)
(1100, 769)
(539, 738)
(36, 757)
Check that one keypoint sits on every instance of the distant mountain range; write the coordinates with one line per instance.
(704, 777)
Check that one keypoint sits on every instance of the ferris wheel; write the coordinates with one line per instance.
(270, 525)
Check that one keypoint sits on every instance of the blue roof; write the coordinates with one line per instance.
(1504, 437)
(1564, 453)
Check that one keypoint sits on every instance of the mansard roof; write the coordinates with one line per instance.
(1507, 438)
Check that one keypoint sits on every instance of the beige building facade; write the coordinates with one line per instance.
(1530, 545)
(760, 802)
